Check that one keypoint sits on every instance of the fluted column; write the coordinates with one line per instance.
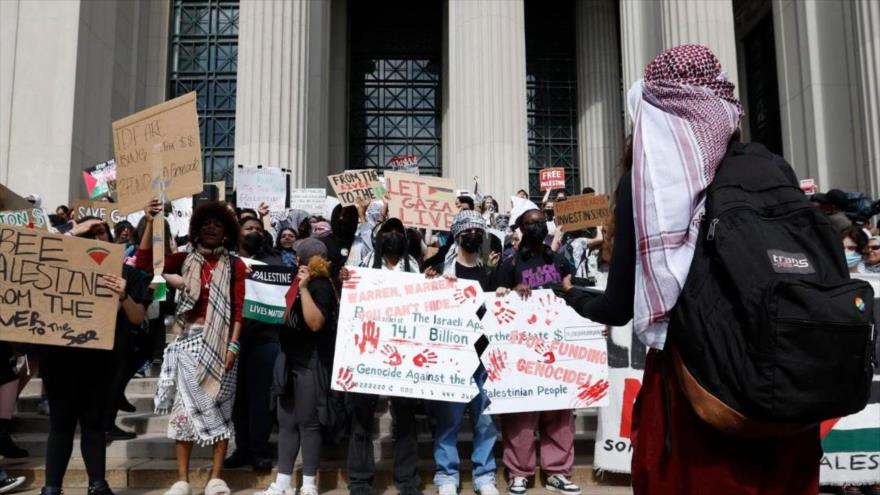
(866, 17)
(484, 121)
(641, 39)
(281, 107)
(704, 22)
(600, 121)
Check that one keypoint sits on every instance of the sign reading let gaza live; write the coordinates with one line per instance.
(52, 291)
(164, 137)
(424, 202)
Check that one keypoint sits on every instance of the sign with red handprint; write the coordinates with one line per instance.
(542, 355)
(404, 335)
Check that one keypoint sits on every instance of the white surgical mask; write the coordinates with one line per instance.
(853, 259)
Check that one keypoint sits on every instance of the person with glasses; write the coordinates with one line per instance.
(872, 255)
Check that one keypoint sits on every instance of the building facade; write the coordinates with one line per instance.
(484, 92)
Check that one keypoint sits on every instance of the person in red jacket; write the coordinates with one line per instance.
(197, 382)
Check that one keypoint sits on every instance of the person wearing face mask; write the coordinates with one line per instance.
(535, 266)
(468, 229)
(389, 254)
(854, 243)
(284, 246)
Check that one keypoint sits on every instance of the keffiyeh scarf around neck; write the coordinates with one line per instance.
(684, 113)
(212, 356)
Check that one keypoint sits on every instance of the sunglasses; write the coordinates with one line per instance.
(874, 248)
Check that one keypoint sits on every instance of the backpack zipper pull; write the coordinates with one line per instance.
(711, 235)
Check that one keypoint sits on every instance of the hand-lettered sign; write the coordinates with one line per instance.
(100, 179)
(405, 164)
(34, 218)
(542, 355)
(167, 136)
(581, 211)
(352, 185)
(255, 185)
(552, 178)
(808, 186)
(403, 335)
(106, 211)
(51, 289)
(426, 202)
(311, 200)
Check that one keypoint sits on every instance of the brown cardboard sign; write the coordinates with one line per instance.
(106, 211)
(32, 218)
(11, 201)
(51, 289)
(419, 201)
(163, 137)
(352, 185)
(581, 212)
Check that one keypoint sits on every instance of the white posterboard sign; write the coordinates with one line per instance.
(403, 335)
(310, 199)
(181, 214)
(255, 185)
(542, 355)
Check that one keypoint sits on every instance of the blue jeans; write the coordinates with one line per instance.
(449, 416)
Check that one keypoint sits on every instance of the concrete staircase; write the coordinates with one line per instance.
(147, 462)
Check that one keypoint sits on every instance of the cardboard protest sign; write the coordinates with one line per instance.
(403, 335)
(51, 289)
(106, 211)
(167, 136)
(311, 200)
(265, 293)
(100, 179)
(405, 164)
(542, 355)
(33, 218)
(581, 212)
(255, 185)
(427, 202)
(11, 201)
(552, 178)
(352, 185)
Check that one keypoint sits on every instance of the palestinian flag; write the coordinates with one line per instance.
(265, 293)
(851, 445)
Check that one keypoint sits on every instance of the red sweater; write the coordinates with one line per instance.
(174, 265)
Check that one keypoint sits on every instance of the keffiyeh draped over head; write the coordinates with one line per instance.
(684, 112)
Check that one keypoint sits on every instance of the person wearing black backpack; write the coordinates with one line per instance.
(666, 261)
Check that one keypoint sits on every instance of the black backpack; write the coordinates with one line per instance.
(770, 335)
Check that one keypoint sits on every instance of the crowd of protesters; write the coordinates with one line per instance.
(225, 376)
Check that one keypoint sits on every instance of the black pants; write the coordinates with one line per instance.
(119, 374)
(298, 425)
(251, 416)
(361, 463)
(76, 382)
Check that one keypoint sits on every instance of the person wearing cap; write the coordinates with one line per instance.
(469, 230)
(833, 204)
(302, 370)
(389, 253)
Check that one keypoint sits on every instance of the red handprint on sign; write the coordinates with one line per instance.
(425, 358)
(590, 393)
(497, 363)
(352, 280)
(369, 336)
(548, 303)
(392, 355)
(547, 355)
(345, 379)
(463, 295)
(503, 314)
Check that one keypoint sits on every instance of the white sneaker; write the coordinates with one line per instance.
(10, 484)
(560, 484)
(488, 489)
(517, 486)
(448, 489)
(217, 486)
(308, 490)
(180, 488)
(274, 490)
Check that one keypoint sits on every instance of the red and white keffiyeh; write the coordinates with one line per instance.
(684, 113)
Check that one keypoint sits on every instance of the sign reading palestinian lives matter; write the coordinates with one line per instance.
(255, 185)
(406, 164)
(582, 211)
(106, 211)
(424, 202)
(542, 355)
(11, 201)
(403, 335)
(352, 185)
(100, 179)
(51, 289)
(311, 200)
(552, 178)
(33, 218)
(265, 291)
(163, 137)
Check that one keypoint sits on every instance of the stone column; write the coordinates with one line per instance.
(704, 22)
(338, 117)
(600, 118)
(484, 121)
(641, 38)
(281, 103)
(866, 17)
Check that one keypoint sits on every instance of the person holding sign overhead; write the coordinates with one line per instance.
(198, 378)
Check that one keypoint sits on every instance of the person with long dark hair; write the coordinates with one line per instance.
(284, 246)
(198, 378)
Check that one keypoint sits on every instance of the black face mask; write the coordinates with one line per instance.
(548, 214)
(534, 233)
(470, 242)
(252, 243)
(393, 244)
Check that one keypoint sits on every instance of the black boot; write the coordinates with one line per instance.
(51, 490)
(98, 488)
(8, 448)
